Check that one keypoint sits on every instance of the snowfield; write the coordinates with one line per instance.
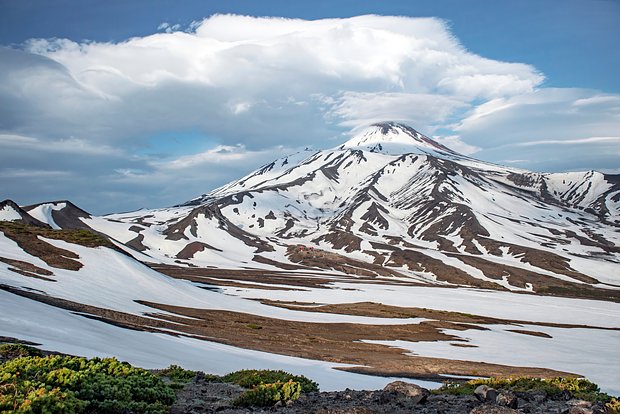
(64, 331)
(561, 351)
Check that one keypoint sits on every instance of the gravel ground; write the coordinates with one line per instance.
(200, 397)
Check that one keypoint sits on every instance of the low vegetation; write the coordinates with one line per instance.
(250, 378)
(267, 395)
(176, 376)
(30, 383)
(12, 351)
(577, 387)
(266, 388)
(613, 406)
(82, 237)
(61, 384)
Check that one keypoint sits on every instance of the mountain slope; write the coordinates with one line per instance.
(10, 211)
(59, 214)
(367, 251)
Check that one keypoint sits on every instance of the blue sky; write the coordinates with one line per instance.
(118, 124)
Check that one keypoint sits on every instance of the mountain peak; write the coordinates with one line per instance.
(394, 137)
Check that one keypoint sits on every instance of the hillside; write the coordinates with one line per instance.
(389, 256)
(392, 202)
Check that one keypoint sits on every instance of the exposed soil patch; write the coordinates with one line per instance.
(531, 333)
(136, 243)
(538, 258)
(418, 261)
(286, 266)
(27, 269)
(380, 310)
(336, 342)
(29, 238)
(312, 257)
(223, 276)
(541, 284)
(192, 248)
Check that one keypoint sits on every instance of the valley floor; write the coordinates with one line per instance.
(346, 333)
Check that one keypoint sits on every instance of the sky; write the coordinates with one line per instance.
(119, 105)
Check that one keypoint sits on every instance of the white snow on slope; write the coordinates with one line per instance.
(503, 305)
(60, 330)
(43, 213)
(112, 280)
(564, 351)
(8, 213)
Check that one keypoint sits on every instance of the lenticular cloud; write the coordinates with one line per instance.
(230, 67)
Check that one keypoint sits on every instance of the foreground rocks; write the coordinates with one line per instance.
(200, 397)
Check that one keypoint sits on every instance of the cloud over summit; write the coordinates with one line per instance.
(250, 84)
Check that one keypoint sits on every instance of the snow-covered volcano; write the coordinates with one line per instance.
(373, 229)
(397, 200)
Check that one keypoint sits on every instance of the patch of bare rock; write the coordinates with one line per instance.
(202, 397)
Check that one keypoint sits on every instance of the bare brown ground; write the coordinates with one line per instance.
(542, 284)
(317, 258)
(380, 310)
(333, 342)
(28, 238)
(286, 280)
(531, 333)
(27, 269)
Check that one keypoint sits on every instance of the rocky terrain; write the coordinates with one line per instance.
(201, 396)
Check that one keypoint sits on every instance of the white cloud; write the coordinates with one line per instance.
(248, 85)
(260, 68)
(549, 129)
(455, 143)
(589, 140)
(358, 109)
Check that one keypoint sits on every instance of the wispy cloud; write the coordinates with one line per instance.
(589, 140)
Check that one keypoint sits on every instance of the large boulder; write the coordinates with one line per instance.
(484, 393)
(507, 399)
(414, 393)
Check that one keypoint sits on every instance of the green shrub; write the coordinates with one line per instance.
(24, 397)
(12, 351)
(250, 378)
(612, 407)
(58, 384)
(578, 387)
(267, 395)
(177, 374)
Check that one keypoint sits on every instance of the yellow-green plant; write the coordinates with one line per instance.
(577, 387)
(249, 378)
(56, 384)
(266, 395)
